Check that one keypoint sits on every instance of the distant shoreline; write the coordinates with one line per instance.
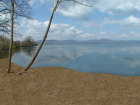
(88, 41)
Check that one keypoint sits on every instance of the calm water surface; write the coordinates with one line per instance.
(118, 59)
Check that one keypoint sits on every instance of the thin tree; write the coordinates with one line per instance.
(21, 9)
(11, 41)
(16, 8)
(45, 36)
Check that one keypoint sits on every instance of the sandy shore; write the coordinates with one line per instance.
(61, 86)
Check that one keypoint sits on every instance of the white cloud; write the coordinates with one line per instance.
(99, 23)
(118, 7)
(109, 21)
(4, 15)
(123, 35)
(63, 31)
(90, 36)
(33, 3)
(39, 3)
(112, 32)
(130, 21)
(76, 11)
(133, 32)
(91, 24)
(103, 33)
(57, 31)
(138, 34)
(67, 8)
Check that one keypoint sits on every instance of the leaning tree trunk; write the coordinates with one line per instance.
(11, 42)
(31, 62)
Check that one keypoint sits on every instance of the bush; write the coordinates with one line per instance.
(13, 46)
(4, 39)
(4, 46)
(16, 44)
(28, 42)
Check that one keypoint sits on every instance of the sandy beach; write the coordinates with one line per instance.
(61, 86)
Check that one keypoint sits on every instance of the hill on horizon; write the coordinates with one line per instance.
(103, 40)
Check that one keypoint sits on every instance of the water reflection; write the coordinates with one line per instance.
(29, 51)
(5, 53)
(99, 58)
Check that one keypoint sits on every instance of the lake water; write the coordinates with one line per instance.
(118, 59)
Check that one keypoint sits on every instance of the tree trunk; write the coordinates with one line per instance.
(11, 42)
(31, 62)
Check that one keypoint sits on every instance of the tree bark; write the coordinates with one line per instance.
(11, 42)
(45, 36)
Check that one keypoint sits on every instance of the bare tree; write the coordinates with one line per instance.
(9, 11)
(21, 9)
(45, 36)
(10, 49)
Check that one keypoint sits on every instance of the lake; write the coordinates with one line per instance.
(118, 59)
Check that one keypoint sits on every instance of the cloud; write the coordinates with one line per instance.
(103, 33)
(123, 35)
(98, 23)
(76, 11)
(113, 36)
(37, 30)
(90, 36)
(112, 32)
(39, 3)
(95, 23)
(63, 31)
(130, 21)
(118, 7)
(133, 32)
(67, 8)
(4, 15)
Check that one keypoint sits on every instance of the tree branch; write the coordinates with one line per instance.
(52, 4)
(78, 3)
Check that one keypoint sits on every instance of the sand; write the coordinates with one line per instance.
(61, 86)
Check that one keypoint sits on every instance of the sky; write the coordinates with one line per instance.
(110, 19)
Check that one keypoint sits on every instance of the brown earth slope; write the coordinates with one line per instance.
(61, 86)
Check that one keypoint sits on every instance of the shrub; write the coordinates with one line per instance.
(28, 42)
(16, 44)
(4, 45)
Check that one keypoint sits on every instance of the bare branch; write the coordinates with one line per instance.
(5, 22)
(52, 3)
(79, 3)
(21, 9)
(4, 10)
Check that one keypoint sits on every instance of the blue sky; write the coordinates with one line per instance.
(110, 19)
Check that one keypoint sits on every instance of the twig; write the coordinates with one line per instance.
(53, 4)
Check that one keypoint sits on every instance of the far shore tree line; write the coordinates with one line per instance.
(27, 42)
